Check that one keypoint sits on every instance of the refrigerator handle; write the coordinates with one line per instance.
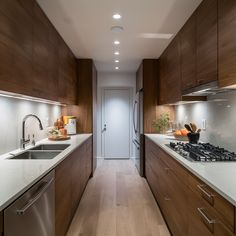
(134, 125)
(136, 144)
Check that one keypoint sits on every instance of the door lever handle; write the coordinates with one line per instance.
(105, 128)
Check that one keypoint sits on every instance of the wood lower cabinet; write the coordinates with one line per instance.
(71, 177)
(168, 188)
(1, 223)
(227, 45)
(63, 189)
(189, 206)
(210, 213)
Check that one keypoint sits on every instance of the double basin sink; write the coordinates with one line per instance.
(43, 151)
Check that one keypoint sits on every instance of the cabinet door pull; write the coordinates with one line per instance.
(209, 221)
(206, 194)
(167, 199)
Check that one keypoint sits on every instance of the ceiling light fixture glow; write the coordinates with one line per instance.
(117, 29)
(116, 42)
(117, 61)
(155, 36)
(117, 53)
(117, 68)
(116, 16)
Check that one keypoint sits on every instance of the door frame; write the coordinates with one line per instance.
(103, 89)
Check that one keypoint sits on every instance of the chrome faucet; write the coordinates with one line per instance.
(24, 141)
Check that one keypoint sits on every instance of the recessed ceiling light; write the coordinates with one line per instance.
(117, 68)
(117, 61)
(116, 42)
(116, 16)
(117, 53)
(117, 29)
(155, 36)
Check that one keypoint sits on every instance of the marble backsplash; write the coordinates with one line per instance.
(220, 115)
(12, 112)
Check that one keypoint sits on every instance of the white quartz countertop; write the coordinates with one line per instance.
(16, 176)
(221, 176)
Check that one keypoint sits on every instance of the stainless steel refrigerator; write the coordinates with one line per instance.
(138, 131)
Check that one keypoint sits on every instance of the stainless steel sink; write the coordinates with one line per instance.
(51, 147)
(35, 155)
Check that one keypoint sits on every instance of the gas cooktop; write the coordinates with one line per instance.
(204, 152)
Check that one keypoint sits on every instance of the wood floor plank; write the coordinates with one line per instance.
(117, 202)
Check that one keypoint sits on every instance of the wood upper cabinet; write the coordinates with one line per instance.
(68, 85)
(16, 27)
(174, 73)
(35, 61)
(150, 93)
(227, 42)
(206, 42)
(45, 57)
(147, 77)
(188, 53)
(139, 78)
(170, 73)
(163, 91)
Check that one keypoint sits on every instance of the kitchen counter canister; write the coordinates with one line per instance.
(220, 176)
(16, 176)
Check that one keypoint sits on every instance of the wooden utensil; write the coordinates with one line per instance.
(193, 127)
(187, 126)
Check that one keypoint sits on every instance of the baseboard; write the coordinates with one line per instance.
(117, 158)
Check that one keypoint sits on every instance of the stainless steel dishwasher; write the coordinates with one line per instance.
(33, 214)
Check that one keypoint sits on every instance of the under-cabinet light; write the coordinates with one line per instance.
(29, 98)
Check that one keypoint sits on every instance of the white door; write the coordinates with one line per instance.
(116, 123)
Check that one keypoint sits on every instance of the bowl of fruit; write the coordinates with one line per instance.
(181, 135)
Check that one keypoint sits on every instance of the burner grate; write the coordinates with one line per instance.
(204, 152)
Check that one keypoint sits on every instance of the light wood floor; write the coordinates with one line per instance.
(117, 202)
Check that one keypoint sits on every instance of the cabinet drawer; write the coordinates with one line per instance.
(203, 219)
(224, 209)
(175, 167)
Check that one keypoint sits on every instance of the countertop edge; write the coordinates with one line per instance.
(23, 190)
(182, 161)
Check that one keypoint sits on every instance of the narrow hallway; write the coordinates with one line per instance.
(117, 202)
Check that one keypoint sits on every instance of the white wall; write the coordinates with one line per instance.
(12, 112)
(220, 114)
(109, 79)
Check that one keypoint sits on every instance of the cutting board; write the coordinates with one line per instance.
(59, 138)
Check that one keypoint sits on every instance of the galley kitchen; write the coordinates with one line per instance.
(118, 118)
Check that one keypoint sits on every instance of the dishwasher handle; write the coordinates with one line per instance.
(35, 198)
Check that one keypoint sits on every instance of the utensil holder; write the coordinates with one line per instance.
(193, 137)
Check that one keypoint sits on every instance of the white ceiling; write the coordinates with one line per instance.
(85, 27)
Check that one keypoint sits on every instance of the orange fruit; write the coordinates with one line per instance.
(184, 132)
(178, 132)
